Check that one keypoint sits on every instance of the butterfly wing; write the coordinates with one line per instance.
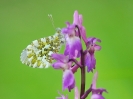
(38, 53)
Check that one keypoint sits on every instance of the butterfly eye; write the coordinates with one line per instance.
(38, 53)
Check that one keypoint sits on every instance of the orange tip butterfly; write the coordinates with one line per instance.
(38, 53)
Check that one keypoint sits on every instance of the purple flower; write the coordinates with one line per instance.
(62, 96)
(64, 64)
(97, 96)
(73, 43)
(90, 60)
(72, 34)
(66, 97)
(78, 20)
(96, 92)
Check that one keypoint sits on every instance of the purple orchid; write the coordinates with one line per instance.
(62, 96)
(66, 97)
(64, 64)
(78, 20)
(72, 35)
(73, 43)
(90, 60)
(96, 92)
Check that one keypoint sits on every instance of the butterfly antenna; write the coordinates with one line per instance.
(51, 18)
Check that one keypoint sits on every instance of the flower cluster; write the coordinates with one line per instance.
(73, 34)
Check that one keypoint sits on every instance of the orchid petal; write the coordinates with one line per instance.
(59, 65)
(90, 39)
(96, 92)
(73, 47)
(69, 29)
(76, 18)
(68, 80)
(83, 34)
(62, 96)
(60, 57)
(97, 47)
(97, 96)
(76, 46)
(90, 62)
(93, 40)
(99, 90)
(66, 52)
(68, 24)
(91, 44)
(64, 30)
(96, 40)
(80, 19)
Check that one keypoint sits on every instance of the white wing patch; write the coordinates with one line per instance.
(38, 53)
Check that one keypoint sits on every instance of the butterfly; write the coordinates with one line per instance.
(38, 53)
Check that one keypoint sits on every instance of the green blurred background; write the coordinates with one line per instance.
(22, 21)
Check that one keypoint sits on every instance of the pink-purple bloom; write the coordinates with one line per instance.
(66, 97)
(97, 92)
(73, 43)
(78, 20)
(90, 60)
(64, 64)
(62, 96)
(73, 33)
(97, 96)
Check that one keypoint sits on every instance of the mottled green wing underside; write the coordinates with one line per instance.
(38, 53)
